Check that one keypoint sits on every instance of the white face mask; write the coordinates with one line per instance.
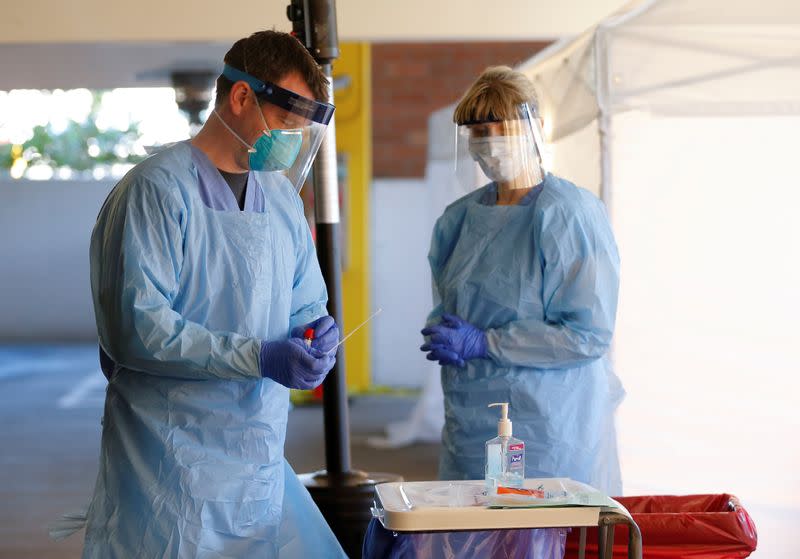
(503, 159)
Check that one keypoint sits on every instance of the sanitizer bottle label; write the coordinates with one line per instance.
(515, 454)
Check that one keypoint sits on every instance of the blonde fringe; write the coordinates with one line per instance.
(496, 94)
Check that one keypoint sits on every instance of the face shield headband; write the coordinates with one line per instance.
(288, 150)
(508, 150)
(290, 101)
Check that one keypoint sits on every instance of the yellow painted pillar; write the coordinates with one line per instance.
(352, 96)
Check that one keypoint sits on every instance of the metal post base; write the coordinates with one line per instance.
(345, 500)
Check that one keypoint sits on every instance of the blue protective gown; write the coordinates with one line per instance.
(185, 289)
(541, 278)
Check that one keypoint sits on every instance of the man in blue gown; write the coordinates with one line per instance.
(204, 280)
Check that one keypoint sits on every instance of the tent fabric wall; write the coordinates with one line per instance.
(697, 103)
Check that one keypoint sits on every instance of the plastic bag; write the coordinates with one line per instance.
(540, 543)
(673, 527)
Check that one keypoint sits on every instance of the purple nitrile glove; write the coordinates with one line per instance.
(326, 333)
(454, 341)
(290, 363)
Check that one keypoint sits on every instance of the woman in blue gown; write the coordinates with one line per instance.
(525, 278)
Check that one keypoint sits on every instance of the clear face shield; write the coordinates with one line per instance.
(507, 152)
(289, 149)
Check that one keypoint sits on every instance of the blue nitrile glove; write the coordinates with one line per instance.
(326, 333)
(290, 363)
(454, 341)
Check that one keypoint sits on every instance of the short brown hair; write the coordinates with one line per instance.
(496, 95)
(270, 56)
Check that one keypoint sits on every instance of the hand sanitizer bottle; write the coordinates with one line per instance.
(505, 456)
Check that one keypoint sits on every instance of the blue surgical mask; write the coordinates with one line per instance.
(275, 150)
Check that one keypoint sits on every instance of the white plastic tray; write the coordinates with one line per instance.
(399, 510)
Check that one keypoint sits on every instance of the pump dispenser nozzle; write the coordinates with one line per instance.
(504, 424)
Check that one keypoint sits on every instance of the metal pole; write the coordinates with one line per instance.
(314, 24)
(604, 115)
(342, 494)
(605, 535)
(326, 208)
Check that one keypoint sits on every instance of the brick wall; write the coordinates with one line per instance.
(410, 80)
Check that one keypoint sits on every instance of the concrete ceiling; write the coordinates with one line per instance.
(46, 44)
(103, 65)
(57, 21)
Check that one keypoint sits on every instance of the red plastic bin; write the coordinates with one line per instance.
(678, 527)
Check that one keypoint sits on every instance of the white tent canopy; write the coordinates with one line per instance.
(679, 58)
(675, 57)
(683, 116)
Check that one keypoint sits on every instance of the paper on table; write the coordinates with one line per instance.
(556, 492)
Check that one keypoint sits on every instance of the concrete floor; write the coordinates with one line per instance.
(50, 407)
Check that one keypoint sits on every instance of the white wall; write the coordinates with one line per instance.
(401, 224)
(44, 259)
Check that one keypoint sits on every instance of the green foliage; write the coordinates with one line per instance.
(72, 147)
(5, 156)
